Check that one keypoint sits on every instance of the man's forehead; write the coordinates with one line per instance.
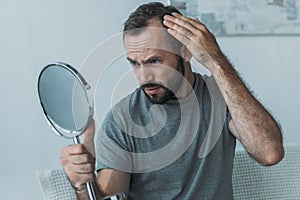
(150, 38)
(145, 53)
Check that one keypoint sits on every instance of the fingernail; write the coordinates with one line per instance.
(174, 13)
(170, 30)
(167, 17)
(196, 19)
(166, 22)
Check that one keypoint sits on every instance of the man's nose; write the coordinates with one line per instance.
(145, 74)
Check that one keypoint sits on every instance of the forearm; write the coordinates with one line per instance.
(254, 126)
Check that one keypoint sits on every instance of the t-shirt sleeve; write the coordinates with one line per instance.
(228, 119)
(111, 146)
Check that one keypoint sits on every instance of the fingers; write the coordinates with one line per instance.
(77, 159)
(184, 29)
(179, 25)
(78, 164)
(79, 182)
(186, 19)
(180, 37)
(83, 168)
(184, 22)
(197, 20)
(76, 154)
(74, 149)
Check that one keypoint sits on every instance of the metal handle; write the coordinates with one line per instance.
(91, 191)
(119, 196)
(88, 185)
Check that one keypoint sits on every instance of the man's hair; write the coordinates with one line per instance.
(147, 13)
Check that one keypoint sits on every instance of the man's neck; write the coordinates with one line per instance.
(188, 82)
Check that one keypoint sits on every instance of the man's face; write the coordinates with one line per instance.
(158, 69)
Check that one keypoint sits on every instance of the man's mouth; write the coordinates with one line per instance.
(151, 90)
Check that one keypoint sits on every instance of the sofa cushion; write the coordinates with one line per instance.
(56, 185)
(253, 181)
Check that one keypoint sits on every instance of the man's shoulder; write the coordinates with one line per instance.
(208, 81)
(131, 101)
(136, 100)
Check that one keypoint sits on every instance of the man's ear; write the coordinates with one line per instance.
(185, 53)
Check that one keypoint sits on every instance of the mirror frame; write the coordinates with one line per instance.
(56, 128)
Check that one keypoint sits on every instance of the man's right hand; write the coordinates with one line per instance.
(78, 161)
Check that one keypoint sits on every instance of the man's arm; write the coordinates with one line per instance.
(79, 164)
(112, 181)
(251, 123)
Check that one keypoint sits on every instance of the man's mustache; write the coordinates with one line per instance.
(152, 85)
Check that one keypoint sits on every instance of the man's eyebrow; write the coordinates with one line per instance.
(147, 60)
(152, 58)
(130, 60)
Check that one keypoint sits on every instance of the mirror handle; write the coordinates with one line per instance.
(89, 185)
(91, 191)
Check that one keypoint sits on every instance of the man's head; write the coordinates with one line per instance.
(153, 52)
(146, 14)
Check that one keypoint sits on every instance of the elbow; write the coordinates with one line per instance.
(274, 151)
(273, 157)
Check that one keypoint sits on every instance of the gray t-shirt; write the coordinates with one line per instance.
(179, 150)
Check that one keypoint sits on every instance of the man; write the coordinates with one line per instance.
(160, 42)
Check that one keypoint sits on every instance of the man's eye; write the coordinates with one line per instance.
(134, 64)
(154, 61)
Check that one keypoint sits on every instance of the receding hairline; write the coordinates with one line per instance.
(151, 23)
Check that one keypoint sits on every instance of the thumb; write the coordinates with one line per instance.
(89, 137)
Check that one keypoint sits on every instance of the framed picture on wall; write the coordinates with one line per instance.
(244, 17)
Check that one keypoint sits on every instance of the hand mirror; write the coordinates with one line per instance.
(63, 95)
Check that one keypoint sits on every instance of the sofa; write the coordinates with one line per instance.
(250, 180)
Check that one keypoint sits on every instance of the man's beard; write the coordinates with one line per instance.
(168, 93)
(159, 99)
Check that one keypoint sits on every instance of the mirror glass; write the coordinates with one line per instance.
(63, 97)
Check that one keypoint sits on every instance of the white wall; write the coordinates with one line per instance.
(35, 33)
(270, 66)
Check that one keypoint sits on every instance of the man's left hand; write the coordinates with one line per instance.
(196, 37)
